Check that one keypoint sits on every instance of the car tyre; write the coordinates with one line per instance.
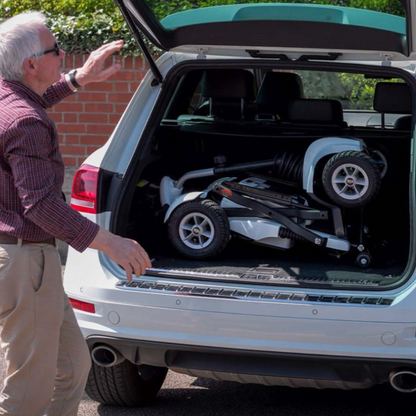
(125, 384)
(199, 229)
(351, 179)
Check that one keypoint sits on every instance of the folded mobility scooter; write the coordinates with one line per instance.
(273, 202)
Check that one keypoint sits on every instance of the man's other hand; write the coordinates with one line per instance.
(129, 254)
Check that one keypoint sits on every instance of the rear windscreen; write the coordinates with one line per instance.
(380, 14)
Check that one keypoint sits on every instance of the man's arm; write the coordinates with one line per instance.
(57, 92)
(27, 150)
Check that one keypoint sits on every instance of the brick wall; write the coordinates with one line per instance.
(86, 119)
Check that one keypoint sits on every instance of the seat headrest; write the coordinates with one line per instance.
(393, 98)
(228, 84)
(277, 90)
(403, 123)
(316, 112)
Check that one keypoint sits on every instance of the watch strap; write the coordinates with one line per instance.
(74, 82)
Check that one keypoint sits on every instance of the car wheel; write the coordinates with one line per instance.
(125, 384)
(351, 179)
(199, 229)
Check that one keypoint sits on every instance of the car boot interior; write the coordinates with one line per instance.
(243, 127)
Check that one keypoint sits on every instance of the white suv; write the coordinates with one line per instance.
(266, 164)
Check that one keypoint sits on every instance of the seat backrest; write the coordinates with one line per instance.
(316, 112)
(276, 92)
(228, 91)
(394, 98)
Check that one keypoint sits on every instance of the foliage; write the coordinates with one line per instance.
(56, 7)
(84, 33)
(79, 26)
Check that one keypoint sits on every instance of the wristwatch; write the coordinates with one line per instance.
(72, 74)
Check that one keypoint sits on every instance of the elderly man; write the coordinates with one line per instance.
(47, 357)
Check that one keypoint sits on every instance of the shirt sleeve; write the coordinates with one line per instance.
(27, 151)
(57, 92)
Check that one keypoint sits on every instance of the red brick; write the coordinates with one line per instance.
(119, 97)
(128, 63)
(134, 85)
(56, 117)
(139, 64)
(71, 128)
(121, 86)
(92, 96)
(120, 108)
(114, 118)
(140, 76)
(123, 76)
(93, 118)
(72, 139)
(97, 140)
(73, 150)
(72, 98)
(81, 160)
(99, 108)
(79, 61)
(69, 107)
(70, 161)
(100, 128)
(71, 117)
(68, 62)
(99, 86)
(92, 149)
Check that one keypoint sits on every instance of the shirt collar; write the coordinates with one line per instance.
(23, 91)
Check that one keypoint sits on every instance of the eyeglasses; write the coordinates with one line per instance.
(55, 49)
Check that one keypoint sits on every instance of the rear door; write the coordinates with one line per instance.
(380, 27)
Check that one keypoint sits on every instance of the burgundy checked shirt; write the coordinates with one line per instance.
(32, 170)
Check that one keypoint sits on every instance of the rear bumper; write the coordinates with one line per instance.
(269, 368)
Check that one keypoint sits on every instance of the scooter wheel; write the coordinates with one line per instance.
(199, 229)
(364, 260)
(351, 179)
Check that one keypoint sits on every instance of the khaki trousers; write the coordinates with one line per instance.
(47, 358)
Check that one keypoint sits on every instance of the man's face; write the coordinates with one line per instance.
(49, 65)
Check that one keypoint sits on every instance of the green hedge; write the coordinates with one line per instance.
(79, 26)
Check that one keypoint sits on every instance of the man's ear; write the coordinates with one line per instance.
(30, 66)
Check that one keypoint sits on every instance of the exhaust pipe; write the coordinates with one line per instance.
(403, 380)
(106, 356)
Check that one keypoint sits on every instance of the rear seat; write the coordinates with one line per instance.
(394, 98)
(326, 113)
(276, 92)
(229, 93)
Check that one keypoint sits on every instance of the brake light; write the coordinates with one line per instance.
(84, 189)
(82, 306)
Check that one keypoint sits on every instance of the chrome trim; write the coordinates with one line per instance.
(247, 294)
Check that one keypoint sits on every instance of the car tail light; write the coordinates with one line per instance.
(84, 189)
(82, 306)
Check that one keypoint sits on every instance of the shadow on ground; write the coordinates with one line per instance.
(208, 398)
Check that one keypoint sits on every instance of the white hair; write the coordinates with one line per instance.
(19, 40)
